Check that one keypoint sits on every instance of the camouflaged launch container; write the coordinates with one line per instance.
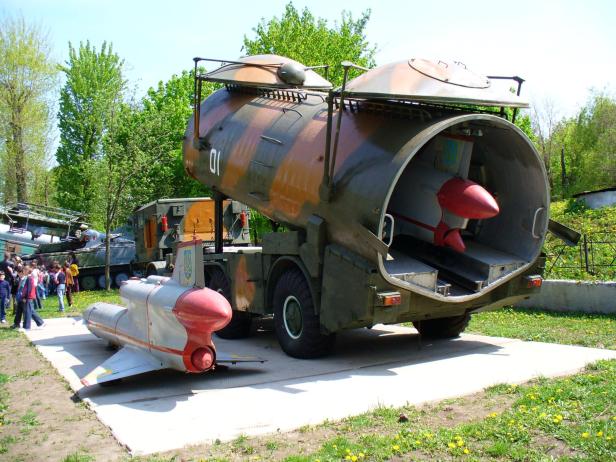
(354, 175)
(160, 224)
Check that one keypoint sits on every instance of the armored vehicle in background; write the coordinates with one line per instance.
(159, 225)
(24, 226)
(89, 251)
(53, 234)
(407, 195)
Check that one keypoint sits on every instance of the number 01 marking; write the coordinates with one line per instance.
(215, 162)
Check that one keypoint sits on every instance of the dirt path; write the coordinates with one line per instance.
(41, 418)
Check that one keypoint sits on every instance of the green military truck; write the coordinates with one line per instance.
(406, 195)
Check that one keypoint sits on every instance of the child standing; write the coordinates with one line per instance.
(5, 296)
(60, 287)
(25, 306)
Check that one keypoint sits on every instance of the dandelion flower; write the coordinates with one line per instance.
(466, 451)
(353, 458)
(585, 435)
(451, 445)
(599, 434)
(347, 457)
(396, 447)
(397, 437)
(362, 455)
(460, 443)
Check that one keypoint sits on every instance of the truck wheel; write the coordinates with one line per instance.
(297, 326)
(443, 327)
(101, 282)
(239, 327)
(120, 278)
(87, 283)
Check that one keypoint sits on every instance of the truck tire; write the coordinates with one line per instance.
(119, 278)
(87, 283)
(239, 326)
(442, 327)
(102, 282)
(297, 327)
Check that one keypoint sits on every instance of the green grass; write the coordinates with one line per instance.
(4, 397)
(78, 457)
(81, 301)
(591, 330)
(29, 419)
(571, 418)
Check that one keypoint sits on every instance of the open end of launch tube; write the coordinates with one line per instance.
(467, 212)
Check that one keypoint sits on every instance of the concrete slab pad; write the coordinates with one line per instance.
(384, 366)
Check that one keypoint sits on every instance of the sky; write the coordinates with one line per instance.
(563, 49)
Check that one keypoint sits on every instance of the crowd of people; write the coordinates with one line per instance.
(24, 284)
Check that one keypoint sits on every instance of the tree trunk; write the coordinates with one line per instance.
(107, 256)
(563, 171)
(19, 152)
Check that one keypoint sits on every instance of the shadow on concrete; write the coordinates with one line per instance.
(361, 352)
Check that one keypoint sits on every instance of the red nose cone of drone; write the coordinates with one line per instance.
(467, 199)
(203, 310)
(454, 240)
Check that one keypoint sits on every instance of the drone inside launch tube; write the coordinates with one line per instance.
(489, 229)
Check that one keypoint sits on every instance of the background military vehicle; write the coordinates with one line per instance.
(52, 234)
(89, 250)
(406, 195)
(159, 225)
(24, 226)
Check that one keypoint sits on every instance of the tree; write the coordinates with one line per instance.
(93, 92)
(27, 77)
(588, 142)
(312, 42)
(124, 170)
(164, 115)
(544, 121)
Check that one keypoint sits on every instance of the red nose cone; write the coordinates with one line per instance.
(454, 240)
(467, 199)
(202, 310)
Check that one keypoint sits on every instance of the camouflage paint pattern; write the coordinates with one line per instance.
(267, 150)
(122, 254)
